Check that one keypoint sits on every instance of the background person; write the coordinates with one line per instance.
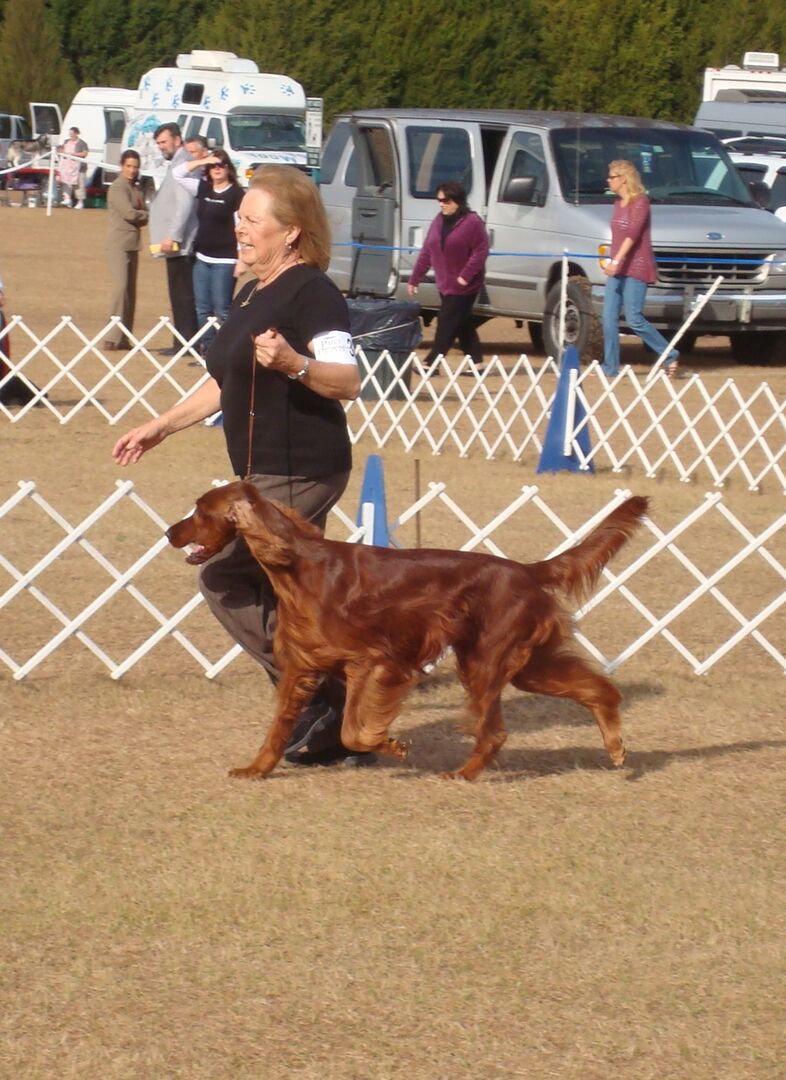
(630, 269)
(285, 353)
(218, 198)
(173, 225)
(126, 214)
(457, 247)
(73, 170)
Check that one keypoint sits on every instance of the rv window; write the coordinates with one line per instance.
(215, 131)
(332, 151)
(266, 131)
(114, 122)
(194, 125)
(193, 93)
(5, 127)
(436, 155)
(676, 166)
(526, 161)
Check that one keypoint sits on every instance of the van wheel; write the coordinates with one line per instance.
(762, 347)
(582, 327)
(535, 330)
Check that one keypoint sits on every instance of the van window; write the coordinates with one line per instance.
(526, 160)
(676, 166)
(194, 125)
(436, 155)
(266, 131)
(114, 123)
(5, 126)
(778, 191)
(215, 131)
(332, 151)
(193, 93)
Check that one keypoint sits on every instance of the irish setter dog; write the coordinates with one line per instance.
(377, 616)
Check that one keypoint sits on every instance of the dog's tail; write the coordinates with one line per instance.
(576, 571)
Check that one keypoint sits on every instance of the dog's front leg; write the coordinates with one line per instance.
(294, 691)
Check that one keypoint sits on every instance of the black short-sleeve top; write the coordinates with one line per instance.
(296, 432)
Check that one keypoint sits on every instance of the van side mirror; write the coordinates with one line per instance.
(521, 190)
(760, 192)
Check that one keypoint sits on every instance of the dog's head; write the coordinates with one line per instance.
(212, 525)
(220, 514)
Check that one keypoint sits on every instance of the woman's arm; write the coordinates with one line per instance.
(479, 242)
(204, 401)
(326, 378)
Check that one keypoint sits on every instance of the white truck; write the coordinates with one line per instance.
(255, 116)
(745, 100)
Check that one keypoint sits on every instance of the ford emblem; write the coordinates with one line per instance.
(714, 236)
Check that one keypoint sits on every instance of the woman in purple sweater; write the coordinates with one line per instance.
(630, 269)
(456, 248)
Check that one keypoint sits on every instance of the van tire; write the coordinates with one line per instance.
(535, 330)
(762, 347)
(582, 326)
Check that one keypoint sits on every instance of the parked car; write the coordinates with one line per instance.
(538, 180)
(761, 162)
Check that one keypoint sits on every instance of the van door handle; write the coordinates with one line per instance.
(491, 237)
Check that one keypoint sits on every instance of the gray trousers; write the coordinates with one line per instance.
(235, 586)
(122, 297)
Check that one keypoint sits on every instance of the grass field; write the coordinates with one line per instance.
(557, 920)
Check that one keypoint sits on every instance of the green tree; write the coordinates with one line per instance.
(31, 67)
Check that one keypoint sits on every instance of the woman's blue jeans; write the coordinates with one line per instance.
(214, 284)
(627, 294)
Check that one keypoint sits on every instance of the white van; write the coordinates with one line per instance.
(744, 100)
(256, 117)
(538, 180)
(101, 114)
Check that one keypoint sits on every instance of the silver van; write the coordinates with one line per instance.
(538, 180)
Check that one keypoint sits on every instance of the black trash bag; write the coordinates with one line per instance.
(391, 326)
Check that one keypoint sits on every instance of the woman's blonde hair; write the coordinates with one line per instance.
(296, 204)
(631, 174)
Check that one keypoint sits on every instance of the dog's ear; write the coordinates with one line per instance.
(256, 519)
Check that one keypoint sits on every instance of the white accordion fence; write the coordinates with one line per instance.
(108, 588)
(692, 429)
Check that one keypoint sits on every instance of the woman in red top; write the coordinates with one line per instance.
(630, 269)
(456, 247)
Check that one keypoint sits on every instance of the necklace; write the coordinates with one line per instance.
(261, 284)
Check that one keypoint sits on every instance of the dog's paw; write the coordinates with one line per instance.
(618, 757)
(247, 773)
(397, 749)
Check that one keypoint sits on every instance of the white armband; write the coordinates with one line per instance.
(334, 347)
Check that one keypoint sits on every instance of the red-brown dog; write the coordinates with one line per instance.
(376, 616)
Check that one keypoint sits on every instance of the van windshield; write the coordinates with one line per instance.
(680, 166)
(266, 131)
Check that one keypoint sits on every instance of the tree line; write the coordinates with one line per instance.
(645, 59)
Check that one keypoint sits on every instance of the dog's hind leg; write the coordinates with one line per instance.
(565, 675)
(374, 697)
(294, 691)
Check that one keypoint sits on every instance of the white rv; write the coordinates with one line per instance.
(746, 100)
(256, 117)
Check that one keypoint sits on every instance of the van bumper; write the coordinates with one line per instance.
(722, 314)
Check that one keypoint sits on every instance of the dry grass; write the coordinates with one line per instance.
(555, 920)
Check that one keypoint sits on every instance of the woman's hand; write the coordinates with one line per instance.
(273, 351)
(130, 447)
(462, 282)
(412, 290)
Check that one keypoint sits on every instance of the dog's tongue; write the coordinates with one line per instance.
(196, 555)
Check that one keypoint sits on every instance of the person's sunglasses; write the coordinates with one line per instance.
(441, 200)
(219, 165)
(614, 176)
